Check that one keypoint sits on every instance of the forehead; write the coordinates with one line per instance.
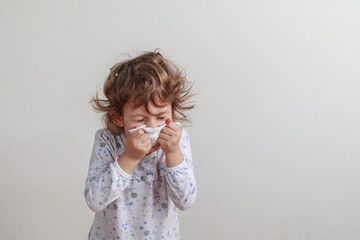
(152, 109)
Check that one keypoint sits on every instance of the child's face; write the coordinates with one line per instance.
(136, 117)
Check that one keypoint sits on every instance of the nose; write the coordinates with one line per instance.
(152, 123)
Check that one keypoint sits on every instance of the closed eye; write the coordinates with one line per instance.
(140, 120)
(161, 118)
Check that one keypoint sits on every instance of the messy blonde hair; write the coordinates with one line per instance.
(141, 80)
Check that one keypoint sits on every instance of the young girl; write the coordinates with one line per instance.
(141, 165)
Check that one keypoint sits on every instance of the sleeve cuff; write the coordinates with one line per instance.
(121, 171)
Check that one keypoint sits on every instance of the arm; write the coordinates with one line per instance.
(180, 179)
(106, 180)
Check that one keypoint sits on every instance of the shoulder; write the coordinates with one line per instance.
(105, 138)
(184, 134)
(185, 145)
(185, 139)
(104, 134)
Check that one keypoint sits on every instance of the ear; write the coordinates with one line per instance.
(118, 121)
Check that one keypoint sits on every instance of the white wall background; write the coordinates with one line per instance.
(275, 134)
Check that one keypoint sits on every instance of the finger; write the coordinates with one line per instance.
(144, 145)
(168, 131)
(173, 125)
(165, 137)
(144, 138)
(137, 133)
(161, 141)
(148, 145)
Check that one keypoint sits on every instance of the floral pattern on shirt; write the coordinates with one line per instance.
(141, 205)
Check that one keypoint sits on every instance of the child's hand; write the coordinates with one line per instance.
(137, 145)
(170, 137)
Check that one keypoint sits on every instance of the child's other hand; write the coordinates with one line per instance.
(170, 137)
(137, 145)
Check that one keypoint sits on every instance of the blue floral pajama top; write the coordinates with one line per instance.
(141, 205)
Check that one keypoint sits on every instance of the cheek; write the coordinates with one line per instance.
(127, 128)
(126, 131)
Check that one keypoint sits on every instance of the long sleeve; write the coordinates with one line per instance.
(106, 180)
(180, 179)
